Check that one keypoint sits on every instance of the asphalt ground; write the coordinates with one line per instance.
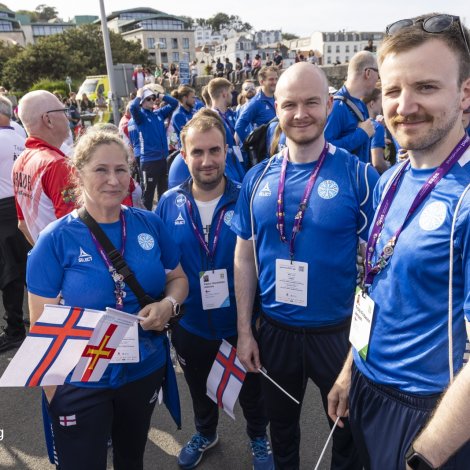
(22, 442)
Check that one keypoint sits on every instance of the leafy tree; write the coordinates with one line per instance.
(77, 52)
(289, 36)
(33, 16)
(218, 21)
(221, 20)
(46, 13)
(8, 51)
(187, 19)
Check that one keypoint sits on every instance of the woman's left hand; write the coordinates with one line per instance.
(156, 315)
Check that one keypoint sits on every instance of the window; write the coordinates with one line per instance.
(337, 48)
(328, 60)
(176, 56)
(164, 57)
(328, 49)
(6, 26)
(346, 59)
(355, 48)
(185, 43)
(346, 48)
(186, 57)
(162, 43)
(337, 60)
(150, 43)
(174, 43)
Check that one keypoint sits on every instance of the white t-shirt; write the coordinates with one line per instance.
(206, 211)
(11, 146)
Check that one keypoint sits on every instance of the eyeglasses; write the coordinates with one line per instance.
(250, 88)
(66, 111)
(433, 24)
(151, 98)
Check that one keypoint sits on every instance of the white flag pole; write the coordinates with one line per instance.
(326, 444)
(263, 371)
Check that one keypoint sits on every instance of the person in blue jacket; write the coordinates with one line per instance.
(221, 97)
(343, 127)
(150, 123)
(198, 214)
(260, 109)
(68, 265)
(186, 109)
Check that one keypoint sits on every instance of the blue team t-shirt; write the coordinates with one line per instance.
(57, 264)
(333, 222)
(408, 347)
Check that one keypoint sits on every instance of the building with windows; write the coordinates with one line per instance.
(264, 38)
(167, 38)
(335, 48)
(10, 28)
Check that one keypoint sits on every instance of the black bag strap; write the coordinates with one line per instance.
(116, 258)
(352, 106)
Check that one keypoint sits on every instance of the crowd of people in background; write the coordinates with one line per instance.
(214, 179)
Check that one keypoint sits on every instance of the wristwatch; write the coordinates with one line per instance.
(175, 304)
(416, 461)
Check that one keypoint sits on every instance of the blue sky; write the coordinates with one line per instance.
(293, 16)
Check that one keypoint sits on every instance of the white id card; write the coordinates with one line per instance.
(361, 322)
(128, 350)
(214, 289)
(291, 282)
(238, 153)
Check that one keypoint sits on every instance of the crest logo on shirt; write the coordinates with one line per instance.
(433, 216)
(180, 220)
(84, 257)
(146, 241)
(228, 217)
(328, 189)
(180, 200)
(266, 191)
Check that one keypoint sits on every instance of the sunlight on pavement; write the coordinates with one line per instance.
(165, 441)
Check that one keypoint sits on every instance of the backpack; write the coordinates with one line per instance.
(255, 143)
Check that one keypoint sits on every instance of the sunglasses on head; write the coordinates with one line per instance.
(433, 24)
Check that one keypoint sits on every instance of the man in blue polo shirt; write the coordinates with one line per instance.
(348, 125)
(259, 109)
(153, 142)
(198, 214)
(299, 219)
(408, 331)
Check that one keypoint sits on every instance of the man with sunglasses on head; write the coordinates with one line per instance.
(150, 124)
(41, 173)
(348, 125)
(408, 330)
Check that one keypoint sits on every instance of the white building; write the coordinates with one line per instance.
(264, 37)
(167, 38)
(337, 47)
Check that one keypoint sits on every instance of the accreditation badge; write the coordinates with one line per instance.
(214, 289)
(128, 350)
(361, 322)
(291, 282)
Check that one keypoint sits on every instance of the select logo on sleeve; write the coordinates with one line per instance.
(180, 220)
(84, 257)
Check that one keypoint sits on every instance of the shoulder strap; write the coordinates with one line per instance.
(351, 105)
(115, 257)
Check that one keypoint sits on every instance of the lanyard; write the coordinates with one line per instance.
(429, 185)
(209, 252)
(117, 278)
(303, 202)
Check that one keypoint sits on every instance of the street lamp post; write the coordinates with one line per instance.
(109, 64)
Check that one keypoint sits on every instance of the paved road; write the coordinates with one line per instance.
(22, 447)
